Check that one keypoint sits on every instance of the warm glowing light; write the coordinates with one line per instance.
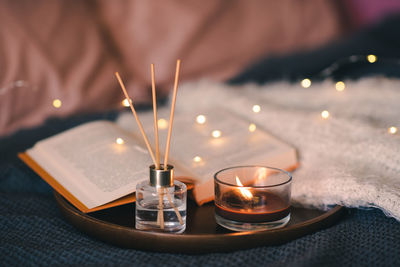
(201, 119)
(162, 124)
(325, 114)
(340, 86)
(120, 141)
(306, 83)
(245, 192)
(197, 159)
(125, 102)
(57, 103)
(372, 58)
(261, 174)
(252, 127)
(392, 130)
(216, 133)
(256, 108)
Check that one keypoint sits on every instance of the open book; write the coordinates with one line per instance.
(93, 171)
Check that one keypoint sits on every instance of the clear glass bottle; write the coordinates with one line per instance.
(161, 202)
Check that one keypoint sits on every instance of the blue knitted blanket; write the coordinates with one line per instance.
(33, 231)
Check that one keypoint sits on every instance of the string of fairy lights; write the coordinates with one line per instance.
(199, 119)
(340, 86)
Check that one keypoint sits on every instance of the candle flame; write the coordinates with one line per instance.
(245, 192)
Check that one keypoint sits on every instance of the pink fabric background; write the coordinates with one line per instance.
(366, 12)
(70, 49)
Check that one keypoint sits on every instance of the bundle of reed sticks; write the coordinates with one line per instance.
(156, 158)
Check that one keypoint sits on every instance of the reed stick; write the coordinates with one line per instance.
(175, 208)
(146, 140)
(171, 118)
(160, 215)
(153, 91)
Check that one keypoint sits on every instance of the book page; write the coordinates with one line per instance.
(240, 143)
(89, 163)
(197, 153)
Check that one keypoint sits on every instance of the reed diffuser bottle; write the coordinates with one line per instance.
(161, 202)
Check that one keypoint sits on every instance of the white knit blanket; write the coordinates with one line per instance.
(348, 159)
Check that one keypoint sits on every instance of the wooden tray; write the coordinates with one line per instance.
(117, 226)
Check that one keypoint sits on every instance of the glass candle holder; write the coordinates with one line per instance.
(252, 198)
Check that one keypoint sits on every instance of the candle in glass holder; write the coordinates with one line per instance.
(252, 198)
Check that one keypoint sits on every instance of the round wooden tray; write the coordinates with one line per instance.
(202, 235)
